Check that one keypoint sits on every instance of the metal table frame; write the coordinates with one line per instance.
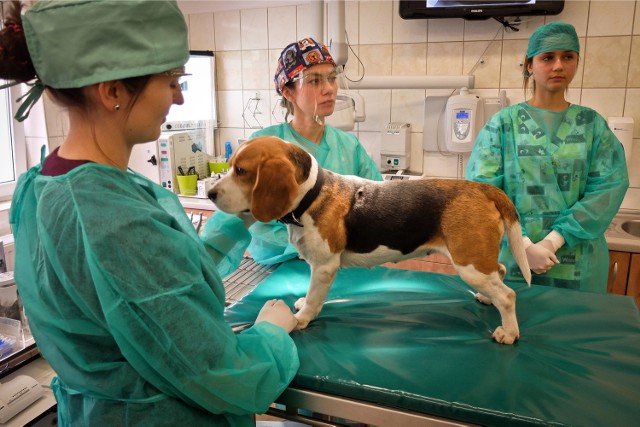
(326, 411)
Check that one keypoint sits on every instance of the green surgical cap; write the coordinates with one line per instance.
(553, 36)
(76, 43)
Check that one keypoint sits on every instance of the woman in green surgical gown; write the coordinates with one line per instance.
(124, 300)
(308, 80)
(561, 166)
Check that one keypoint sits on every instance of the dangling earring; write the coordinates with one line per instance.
(116, 107)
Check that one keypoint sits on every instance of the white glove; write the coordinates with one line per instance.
(541, 257)
(278, 313)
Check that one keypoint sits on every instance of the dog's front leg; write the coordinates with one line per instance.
(322, 277)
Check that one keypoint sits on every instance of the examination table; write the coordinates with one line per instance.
(405, 348)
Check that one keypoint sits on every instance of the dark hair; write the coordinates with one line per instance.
(527, 76)
(16, 63)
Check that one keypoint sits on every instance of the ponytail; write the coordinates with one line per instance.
(15, 62)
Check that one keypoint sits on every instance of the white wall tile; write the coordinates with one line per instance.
(303, 13)
(610, 18)
(409, 59)
(488, 29)
(484, 58)
(513, 52)
(201, 34)
(408, 30)
(34, 147)
(576, 13)
(228, 63)
(378, 105)
(440, 166)
(444, 59)
(633, 79)
(282, 26)
(35, 125)
(370, 140)
(634, 162)
(407, 105)
(632, 109)
(445, 30)
(606, 61)
(376, 59)
(226, 26)
(256, 69)
(253, 29)
(351, 21)
(607, 102)
(375, 22)
(636, 21)
(230, 108)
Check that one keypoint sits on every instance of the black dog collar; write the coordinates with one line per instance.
(292, 217)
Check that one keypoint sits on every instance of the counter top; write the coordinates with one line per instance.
(617, 238)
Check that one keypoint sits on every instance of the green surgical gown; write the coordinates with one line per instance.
(564, 171)
(338, 151)
(126, 304)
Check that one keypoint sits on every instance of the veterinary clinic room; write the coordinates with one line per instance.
(326, 213)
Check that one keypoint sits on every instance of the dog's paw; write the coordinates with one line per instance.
(300, 303)
(482, 298)
(303, 322)
(501, 336)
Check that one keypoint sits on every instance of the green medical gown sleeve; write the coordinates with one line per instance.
(226, 238)
(128, 301)
(606, 184)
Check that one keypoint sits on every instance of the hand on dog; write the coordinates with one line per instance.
(279, 314)
(541, 257)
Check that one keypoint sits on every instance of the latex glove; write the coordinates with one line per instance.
(540, 258)
(278, 313)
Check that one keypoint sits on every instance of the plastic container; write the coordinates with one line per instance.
(188, 184)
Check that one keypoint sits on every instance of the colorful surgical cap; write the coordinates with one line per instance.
(297, 57)
(77, 43)
(553, 36)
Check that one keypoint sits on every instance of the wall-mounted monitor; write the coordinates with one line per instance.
(477, 9)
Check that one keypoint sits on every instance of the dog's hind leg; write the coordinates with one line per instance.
(493, 291)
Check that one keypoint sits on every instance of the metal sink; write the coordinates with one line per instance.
(623, 234)
(632, 227)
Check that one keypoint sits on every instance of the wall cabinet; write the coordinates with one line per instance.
(624, 274)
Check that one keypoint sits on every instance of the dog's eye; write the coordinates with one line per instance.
(239, 171)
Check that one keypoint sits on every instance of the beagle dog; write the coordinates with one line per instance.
(337, 221)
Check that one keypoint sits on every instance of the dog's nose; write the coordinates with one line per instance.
(212, 195)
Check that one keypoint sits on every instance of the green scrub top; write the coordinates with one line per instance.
(564, 171)
(338, 151)
(126, 304)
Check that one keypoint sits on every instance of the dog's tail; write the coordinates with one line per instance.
(513, 229)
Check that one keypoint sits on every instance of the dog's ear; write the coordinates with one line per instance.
(274, 191)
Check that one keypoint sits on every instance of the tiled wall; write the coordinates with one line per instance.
(247, 42)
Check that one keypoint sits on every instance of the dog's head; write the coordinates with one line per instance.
(264, 178)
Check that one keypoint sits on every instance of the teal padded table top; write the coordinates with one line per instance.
(420, 342)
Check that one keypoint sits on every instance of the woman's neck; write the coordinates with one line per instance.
(551, 101)
(308, 128)
(95, 143)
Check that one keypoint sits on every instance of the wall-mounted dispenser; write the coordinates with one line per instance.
(622, 127)
(451, 123)
(463, 119)
(395, 146)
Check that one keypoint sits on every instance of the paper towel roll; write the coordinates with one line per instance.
(622, 127)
